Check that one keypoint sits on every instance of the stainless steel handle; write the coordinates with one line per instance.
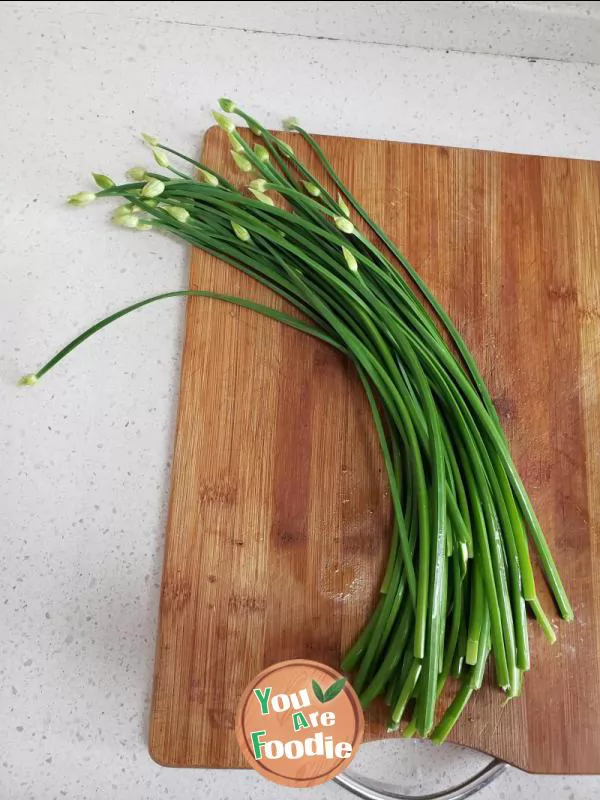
(370, 789)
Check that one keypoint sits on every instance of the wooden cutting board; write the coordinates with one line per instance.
(278, 529)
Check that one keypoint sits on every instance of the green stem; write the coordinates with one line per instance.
(239, 301)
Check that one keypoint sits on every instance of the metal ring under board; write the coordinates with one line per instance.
(370, 789)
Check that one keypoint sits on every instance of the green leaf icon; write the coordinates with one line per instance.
(334, 689)
(330, 693)
(318, 691)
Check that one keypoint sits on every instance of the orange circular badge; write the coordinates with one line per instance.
(299, 723)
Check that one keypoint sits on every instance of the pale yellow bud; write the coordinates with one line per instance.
(261, 153)
(124, 211)
(103, 181)
(235, 142)
(240, 232)
(223, 122)
(153, 188)
(28, 380)
(262, 197)
(227, 105)
(344, 208)
(151, 140)
(136, 174)
(311, 188)
(285, 149)
(259, 184)
(208, 177)
(350, 259)
(160, 157)
(344, 224)
(126, 220)
(81, 199)
(241, 161)
(178, 213)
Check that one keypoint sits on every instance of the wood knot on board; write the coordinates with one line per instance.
(289, 537)
(221, 492)
(176, 594)
(246, 603)
(563, 293)
(505, 406)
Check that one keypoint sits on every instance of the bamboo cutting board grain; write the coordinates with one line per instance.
(278, 528)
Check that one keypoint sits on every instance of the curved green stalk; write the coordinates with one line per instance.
(279, 316)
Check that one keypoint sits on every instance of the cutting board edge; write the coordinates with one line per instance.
(216, 130)
(530, 767)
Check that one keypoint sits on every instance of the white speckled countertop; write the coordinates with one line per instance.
(85, 456)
